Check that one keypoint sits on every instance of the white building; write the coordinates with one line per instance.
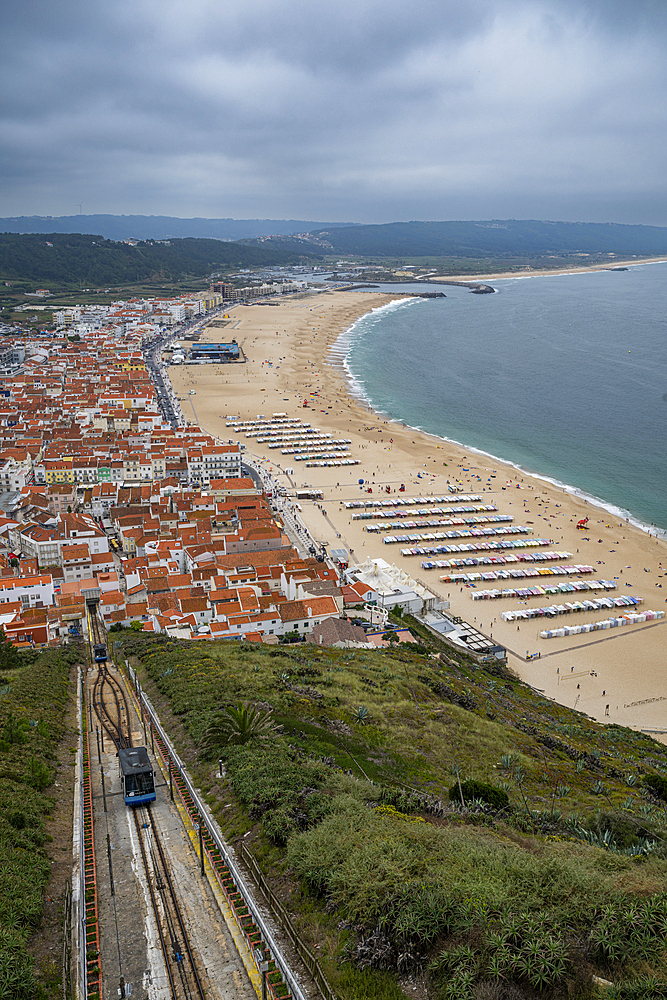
(32, 591)
(14, 476)
(391, 587)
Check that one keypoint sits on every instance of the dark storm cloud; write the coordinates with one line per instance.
(359, 110)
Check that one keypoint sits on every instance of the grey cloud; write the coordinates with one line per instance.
(354, 110)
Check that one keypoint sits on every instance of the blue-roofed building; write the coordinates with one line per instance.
(215, 352)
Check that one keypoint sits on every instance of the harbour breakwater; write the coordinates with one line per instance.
(474, 286)
(412, 295)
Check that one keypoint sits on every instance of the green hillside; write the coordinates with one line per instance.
(430, 823)
(72, 258)
(510, 237)
(35, 757)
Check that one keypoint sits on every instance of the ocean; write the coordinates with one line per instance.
(565, 376)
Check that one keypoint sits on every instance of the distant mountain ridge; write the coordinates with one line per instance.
(493, 238)
(161, 227)
(473, 238)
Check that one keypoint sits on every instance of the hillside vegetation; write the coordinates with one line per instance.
(65, 259)
(34, 689)
(497, 239)
(425, 818)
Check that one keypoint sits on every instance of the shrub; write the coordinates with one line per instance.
(495, 797)
(9, 657)
(278, 787)
(657, 784)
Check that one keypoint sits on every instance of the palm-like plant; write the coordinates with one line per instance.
(237, 725)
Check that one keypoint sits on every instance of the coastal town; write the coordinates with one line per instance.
(121, 480)
(108, 491)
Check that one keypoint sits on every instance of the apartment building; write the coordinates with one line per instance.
(31, 591)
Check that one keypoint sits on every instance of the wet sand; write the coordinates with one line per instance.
(628, 664)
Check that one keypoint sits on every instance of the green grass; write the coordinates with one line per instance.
(32, 709)
(353, 808)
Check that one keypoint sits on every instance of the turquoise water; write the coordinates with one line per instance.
(565, 376)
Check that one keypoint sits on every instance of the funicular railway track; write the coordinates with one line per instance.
(112, 709)
(109, 698)
(181, 967)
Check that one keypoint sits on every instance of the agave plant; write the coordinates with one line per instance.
(542, 961)
(508, 761)
(460, 986)
(607, 941)
(639, 989)
(513, 928)
(655, 915)
(237, 725)
(461, 958)
(496, 967)
(494, 941)
(645, 944)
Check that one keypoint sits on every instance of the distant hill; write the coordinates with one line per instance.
(73, 258)
(495, 238)
(161, 227)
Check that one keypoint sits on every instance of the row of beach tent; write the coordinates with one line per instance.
(473, 532)
(332, 463)
(592, 604)
(441, 522)
(521, 574)
(287, 432)
(494, 560)
(632, 618)
(262, 422)
(411, 501)
(311, 443)
(303, 456)
(311, 449)
(275, 440)
(369, 515)
(514, 543)
(281, 439)
(301, 435)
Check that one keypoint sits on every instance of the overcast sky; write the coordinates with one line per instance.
(352, 110)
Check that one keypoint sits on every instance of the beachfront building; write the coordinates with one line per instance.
(214, 462)
(390, 587)
(215, 353)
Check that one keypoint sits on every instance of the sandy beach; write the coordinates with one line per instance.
(287, 347)
(535, 272)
